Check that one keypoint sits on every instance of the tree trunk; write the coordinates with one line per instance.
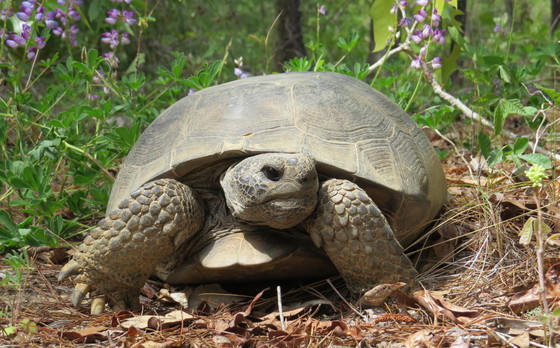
(554, 15)
(462, 6)
(289, 43)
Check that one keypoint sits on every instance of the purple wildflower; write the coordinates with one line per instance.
(420, 16)
(51, 24)
(98, 77)
(31, 52)
(112, 16)
(403, 3)
(128, 17)
(40, 41)
(74, 14)
(25, 32)
(22, 16)
(427, 30)
(6, 13)
(111, 38)
(11, 43)
(322, 10)
(417, 37)
(125, 38)
(111, 59)
(422, 2)
(393, 9)
(436, 62)
(40, 14)
(416, 63)
(406, 22)
(436, 18)
(439, 36)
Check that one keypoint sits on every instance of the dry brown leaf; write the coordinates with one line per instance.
(376, 296)
(460, 342)
(89, 334)
(337, 327)
(212, 295)
(529, 299)
(174, 318)
(444, 246)
(422, 339)
(444, 309)
(522, 341)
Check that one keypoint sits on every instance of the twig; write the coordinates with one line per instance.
(475, 116)
(344, 300)
(77, 149)
(405, 47)
(280, 310)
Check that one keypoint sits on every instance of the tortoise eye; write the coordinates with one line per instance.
(271, 173)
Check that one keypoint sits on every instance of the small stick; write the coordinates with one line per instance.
(344, 300)
(279, 294)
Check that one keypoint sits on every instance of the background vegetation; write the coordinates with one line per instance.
(80, 80)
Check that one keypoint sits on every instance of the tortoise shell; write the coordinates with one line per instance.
(351, 130)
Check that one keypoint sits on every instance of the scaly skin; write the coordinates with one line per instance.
(279, 190)
(357, 238)
(119, 255)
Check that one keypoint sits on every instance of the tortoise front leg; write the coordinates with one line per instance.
(357, 238)
(119, 255)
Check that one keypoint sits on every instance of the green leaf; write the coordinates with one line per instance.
(537, 158)
(94, 10)
(526, 233)
(520, 145)
(439, 4)
(382, 20)
(6, 220)
(449, 63)
(507, 107)
(551, 93)
(298, 64)
(504, 74)
(484, 144)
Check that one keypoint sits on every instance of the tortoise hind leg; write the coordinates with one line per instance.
(357, 238)
(119, 255)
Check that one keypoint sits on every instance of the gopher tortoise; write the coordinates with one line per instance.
(274, 177)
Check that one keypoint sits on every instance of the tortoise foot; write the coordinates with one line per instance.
(357, 238)
(118, 256)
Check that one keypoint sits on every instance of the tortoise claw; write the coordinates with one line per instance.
(69, 269)
(98, 305)
(80, 291)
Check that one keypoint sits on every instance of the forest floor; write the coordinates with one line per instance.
(480, 288)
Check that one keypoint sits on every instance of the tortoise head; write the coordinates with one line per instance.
(274, 189)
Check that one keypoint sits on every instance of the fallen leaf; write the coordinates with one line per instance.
(460, 342)
(89, 334)
(213, 295)
(422, 339)
(529, 299)
(522, 341)
(445, 310)
(444, 246)
(337, 327)
(174, 318)
(376, 296)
